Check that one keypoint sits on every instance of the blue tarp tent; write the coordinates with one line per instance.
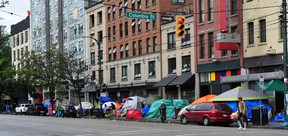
(250, 104)
(154, 109)
(145, 110)
(106, 99)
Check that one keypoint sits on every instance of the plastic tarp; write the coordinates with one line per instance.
(106, 99)
(149, 100)
(250, 104)
(154, 109)
(206, 98)
(274, 85)
(145, 110)
(279, 118)
(46, 104)
(178, 104)
(133, 102)
(134, 114)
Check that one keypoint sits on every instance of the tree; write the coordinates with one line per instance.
(74, 72)
(43, 67)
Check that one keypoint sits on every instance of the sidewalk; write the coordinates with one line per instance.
(174, 121)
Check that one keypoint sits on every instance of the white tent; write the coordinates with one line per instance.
(133, 102)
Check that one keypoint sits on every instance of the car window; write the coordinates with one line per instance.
(204, 107)
(223, 107)
(27, 105)
(192, 108)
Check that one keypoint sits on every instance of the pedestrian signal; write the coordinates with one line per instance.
(180, 26)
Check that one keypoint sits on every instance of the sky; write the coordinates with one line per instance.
(17, 7)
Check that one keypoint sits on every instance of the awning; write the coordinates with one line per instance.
(165, 81)
(183, 79)
(89, 88)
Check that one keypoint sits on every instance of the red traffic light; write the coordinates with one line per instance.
(181, 20)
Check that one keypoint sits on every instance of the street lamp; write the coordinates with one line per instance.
(99, 64)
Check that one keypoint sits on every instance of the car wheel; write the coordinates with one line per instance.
(205, 121)
(184, 120)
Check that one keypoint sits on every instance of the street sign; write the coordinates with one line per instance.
(167, 18)
(140, 15)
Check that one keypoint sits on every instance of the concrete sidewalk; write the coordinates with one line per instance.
(174, 121)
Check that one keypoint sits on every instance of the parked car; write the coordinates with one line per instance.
(37, 109)
(22, 108)
(207, 113)
(69, 111)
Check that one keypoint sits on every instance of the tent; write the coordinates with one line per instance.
(206, 98)
(154, 109)
(133, 102)
(149, 100)
(178, 104)
(85, 105)
(134, 114)
(106, 99)
(233, 94)
(250, 97)
(145, 110)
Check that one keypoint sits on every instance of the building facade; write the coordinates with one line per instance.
(59, 23)
(133, 46)
(178, 68)
(214, 64)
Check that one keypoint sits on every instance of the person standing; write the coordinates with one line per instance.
(162, 112)
(242, 113)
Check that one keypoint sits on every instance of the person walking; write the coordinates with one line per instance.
(162, 112)
(242, 113)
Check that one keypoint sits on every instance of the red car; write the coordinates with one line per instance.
(207, 113)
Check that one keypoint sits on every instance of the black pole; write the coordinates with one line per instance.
(284, 34)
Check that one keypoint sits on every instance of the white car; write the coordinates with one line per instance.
(22, 108)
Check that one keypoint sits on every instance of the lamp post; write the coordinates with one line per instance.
(99, 68)
(284, 33)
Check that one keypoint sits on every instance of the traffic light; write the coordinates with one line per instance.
(180, 26)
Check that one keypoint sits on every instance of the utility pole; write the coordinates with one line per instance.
(284, 33)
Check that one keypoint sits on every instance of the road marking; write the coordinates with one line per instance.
(200, 134)
(119, 132)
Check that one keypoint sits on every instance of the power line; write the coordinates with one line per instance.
(11, 13)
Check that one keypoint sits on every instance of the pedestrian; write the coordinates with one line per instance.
(59, 111)
(242, 113)
(162, 112)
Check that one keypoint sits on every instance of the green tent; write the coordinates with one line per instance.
(154, 109)
(274, 85)
(179, 104)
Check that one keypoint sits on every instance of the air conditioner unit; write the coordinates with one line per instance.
(271, 51)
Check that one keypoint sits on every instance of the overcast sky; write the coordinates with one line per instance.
(18, 7)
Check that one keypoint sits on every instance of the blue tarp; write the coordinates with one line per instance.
(145, 110)
(106, 99)
(279, 118)
(46, 104)
(250, 104)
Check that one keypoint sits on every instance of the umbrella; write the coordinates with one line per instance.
(233, 94)
(206, 98)
(149, 100)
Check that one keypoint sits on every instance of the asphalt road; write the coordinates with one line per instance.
(18, 125)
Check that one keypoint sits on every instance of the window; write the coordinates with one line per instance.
(251, 33)
(14, 55)
(201, 11)
(18, 54)
(109, 33)
(109, 11)
(233, 7)
(151, 68)
(186, 40)
(133, 26)
(125, 6)
(154, 24)
(210, 10)
(124, 73)
(92, 58)
(234, 30)
(154, 44)
(114, 53)
(171, 40)
(99, 17)
(148, 46)
(172, 66)
(139, 4)
(114, 12)
(112, 75)
(262, 24)
(14, 43)
(133, 5)
(17, 40)
(134, 48)
(100, 55)
(120, 9)
(147, 25)
(224, 53)
(139, 25)
(121, 30)
(114, 32)
(91, 22)
(26, 37)
(281, 26)
(93, 77)
(147, 3)
(140, 47)
(22, 38)
(202, 46)
(127, 50)
(186, 63)
(110, 54)
(211, 45)
(100, 36)
(121, 51)
(126, 28)
(137, 70)
(153, 1)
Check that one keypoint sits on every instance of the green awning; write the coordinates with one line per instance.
(274, 85)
